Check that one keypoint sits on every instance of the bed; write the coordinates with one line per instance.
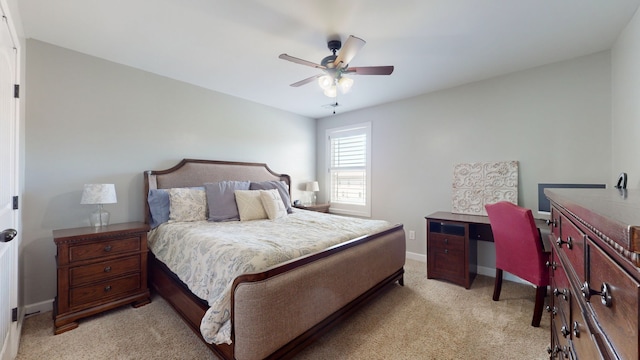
(278, 310)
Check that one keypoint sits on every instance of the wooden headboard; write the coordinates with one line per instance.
(193, 172)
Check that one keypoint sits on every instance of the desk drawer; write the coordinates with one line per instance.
(450, 242)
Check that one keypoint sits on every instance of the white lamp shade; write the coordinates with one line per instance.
(99, 194)
(313, 186)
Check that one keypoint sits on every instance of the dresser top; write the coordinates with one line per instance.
(613, 214)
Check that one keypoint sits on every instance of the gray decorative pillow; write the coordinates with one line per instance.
(282, 189)
(222, 201)
(158, 200)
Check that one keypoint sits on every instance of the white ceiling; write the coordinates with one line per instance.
(233, 46)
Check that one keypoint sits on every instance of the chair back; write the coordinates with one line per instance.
(517, 240)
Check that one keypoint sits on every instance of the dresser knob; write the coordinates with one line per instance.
(446, 251)
(446, 241)
(552, 310)
(569, 242)
(107, 248)
(107, 288)
(576, 331)
(550, 264)
(564, 330)
(564, 293)
(604, 293)
(107, 269)
(552, 222)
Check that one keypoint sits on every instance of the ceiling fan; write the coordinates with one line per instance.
(337, 65)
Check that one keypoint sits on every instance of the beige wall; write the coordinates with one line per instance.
(625, 113)
(554, 119)
(92, 121)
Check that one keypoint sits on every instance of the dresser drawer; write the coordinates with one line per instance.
(86, 294)
(103, 248)
(560, 290)
(584, 342)
(572, 242)
(618, 318)
(103, 270)
(444, 241)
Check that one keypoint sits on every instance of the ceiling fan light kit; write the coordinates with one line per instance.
(335, 66)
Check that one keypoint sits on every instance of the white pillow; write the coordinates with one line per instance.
(187, 204)
(272, 203)
(249, 205)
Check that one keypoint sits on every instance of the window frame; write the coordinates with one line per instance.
(344, 131)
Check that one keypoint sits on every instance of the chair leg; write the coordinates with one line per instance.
(497, 285)
(541, 292)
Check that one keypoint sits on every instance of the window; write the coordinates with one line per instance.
(349, 159)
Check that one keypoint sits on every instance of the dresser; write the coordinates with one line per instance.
(98, 269)
(595, 273)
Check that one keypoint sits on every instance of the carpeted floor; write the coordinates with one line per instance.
(425, 319)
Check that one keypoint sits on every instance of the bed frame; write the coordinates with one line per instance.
(279, 311)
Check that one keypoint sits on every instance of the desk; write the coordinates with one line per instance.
(451, 255)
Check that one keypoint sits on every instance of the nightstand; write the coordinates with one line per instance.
(99, 268)
(317, 207)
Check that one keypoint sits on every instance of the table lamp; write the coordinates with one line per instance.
(313, 187)
(99, 194)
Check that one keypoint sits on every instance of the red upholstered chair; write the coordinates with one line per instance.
(519, 250)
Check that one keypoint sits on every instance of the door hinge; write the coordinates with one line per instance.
(14, 314)
(16, 91)
(15, 203)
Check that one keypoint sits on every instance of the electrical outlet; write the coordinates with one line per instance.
(412, 235)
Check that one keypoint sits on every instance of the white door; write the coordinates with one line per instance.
(9, 335)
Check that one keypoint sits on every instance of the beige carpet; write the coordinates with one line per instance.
(425, 319)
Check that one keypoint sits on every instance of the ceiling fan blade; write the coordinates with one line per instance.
(370, 70)
(306, 81)
(349, 51)
(300, 61)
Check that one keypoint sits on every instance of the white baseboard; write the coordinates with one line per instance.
(417, 257)
(38, 308)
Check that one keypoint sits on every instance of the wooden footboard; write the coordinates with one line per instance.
(278, 312)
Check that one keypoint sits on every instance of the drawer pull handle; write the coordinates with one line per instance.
(552, 222)
(565, 331)
(552, 264)
(564, 293)
(107, 288)
(446, 241)
(107, 269)
(604, 293)
(446, 251)
(107, 248)
(552, 310)
(569, 242)
(576, 331)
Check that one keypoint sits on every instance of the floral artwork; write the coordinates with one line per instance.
(481, 183)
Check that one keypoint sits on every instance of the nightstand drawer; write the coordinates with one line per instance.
(86, 294)
(103, 270)
(103, 248)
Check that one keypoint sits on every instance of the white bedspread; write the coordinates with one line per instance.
(208, 256)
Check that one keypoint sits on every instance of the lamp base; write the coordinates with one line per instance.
(99, 218)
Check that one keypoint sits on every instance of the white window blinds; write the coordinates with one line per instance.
(349, 169)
